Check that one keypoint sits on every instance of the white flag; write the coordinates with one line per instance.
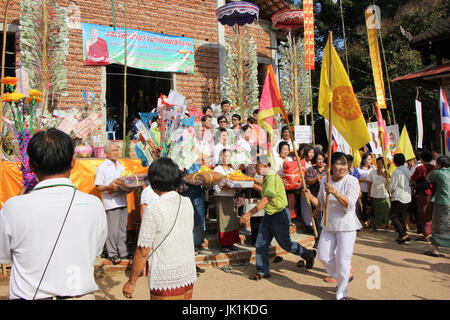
(419, 124)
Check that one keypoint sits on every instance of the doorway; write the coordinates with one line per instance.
(143, 90)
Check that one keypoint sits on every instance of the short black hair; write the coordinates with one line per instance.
(245, 127)
(236, 116)
(50, 152)
(255, 111)
(204, 118)
(399, 159)
(164, 175)
(316, 155)
(380, 159)
(281, 145)
(263, 159)
(443, 161)
(251, 120)
(339, 157)
(224, 102)
(426, 155)
(284, 128)
(349, 157)
(206, 108)
(222, 117)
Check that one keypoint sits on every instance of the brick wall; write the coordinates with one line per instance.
(189, 18)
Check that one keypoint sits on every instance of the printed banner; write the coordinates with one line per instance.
(419, 124)
(375, 58)
(303, 134)
(374, 143)
(308, 16)
(145, 50)
(393, 134)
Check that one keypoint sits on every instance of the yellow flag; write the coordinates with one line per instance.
(356, 158)
(404, 145)
(346, 114)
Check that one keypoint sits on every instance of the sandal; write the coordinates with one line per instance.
(115, 260)
(258, 276)
(332, 280)
(225, 249)
(277, 259)
(432, 254)
(233, 248)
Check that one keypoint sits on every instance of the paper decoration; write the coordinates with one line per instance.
(303, 134)
(85, 126)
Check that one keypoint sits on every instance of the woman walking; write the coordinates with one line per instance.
(165, 238)
(440, 176)
(379, 196)
(424, 193)
(227, 219)
(337, 239)
(307, 157)
(364, 170)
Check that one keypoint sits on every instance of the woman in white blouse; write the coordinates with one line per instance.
(379, 196)
(227, 219)
(283, 151)
(165, 238)
(364, 170)
(337, 239)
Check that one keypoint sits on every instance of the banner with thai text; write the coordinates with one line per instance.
(145, 50)
(308, 14)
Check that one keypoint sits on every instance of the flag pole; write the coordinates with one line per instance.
(330, 125)
(312, 109)
(303, 177)
(124, 129)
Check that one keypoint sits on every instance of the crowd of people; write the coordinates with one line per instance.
(173, 212)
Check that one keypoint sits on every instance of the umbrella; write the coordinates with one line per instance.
(288, 19)
(237, 12)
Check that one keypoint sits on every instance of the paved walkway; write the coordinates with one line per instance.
(405, 273)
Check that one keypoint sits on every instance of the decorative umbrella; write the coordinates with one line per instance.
(288, 19)
(236, 14)
(291, 20)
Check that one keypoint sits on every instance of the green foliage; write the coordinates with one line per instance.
(126, 144)
(240, 81)
(44, 44)
(292, 66)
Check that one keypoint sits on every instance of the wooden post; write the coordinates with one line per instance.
(312, 109)
(5, 31)
(124, 129)
(330, 125)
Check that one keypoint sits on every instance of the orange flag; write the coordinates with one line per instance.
(270, 104)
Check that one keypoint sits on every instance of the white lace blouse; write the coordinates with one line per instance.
(340, 218)
(172, 265)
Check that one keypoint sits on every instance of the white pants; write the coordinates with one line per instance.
(337, 264)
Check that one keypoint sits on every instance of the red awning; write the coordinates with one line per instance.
(428, 78)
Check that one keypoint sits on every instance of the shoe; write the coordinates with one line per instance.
(128, 257)
(300, 263)
(104, 255)
(277, 259)
(233, 248)
(258, 276)
(432, 254)
(199, 270)
(115, 260)
(310, 261)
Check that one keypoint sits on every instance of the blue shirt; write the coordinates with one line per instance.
(355, 173)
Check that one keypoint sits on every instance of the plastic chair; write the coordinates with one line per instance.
(111, 127)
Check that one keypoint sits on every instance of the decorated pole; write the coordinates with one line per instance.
(330, 128)
(5, 26)
(312, 109)
(124, 129)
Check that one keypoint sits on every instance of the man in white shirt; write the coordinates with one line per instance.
(400, 197)
(53, 233)
(115, 204)
(285, 136)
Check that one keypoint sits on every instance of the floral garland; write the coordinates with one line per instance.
(23, 130)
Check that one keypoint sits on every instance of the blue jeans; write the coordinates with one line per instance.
(197, 197)
(276, 225)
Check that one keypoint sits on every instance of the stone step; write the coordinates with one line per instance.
(213, 256)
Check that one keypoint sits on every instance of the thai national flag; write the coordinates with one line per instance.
(445, 112)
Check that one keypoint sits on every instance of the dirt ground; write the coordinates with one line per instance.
(405, 273)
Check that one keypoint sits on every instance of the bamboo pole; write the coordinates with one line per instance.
(303, 178)
(345, 42)
(330, 125)
(124, 129)
(295, 105)
(388, 80)
(5, 31)
(312, 109)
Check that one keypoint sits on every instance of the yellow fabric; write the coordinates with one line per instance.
(375, 59)
(346, 115)
(404, 145)
(157, 134)
(356, 158)
(82, 176)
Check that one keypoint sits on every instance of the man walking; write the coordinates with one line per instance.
(52, 234)
(275, 222)
(115, 204)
